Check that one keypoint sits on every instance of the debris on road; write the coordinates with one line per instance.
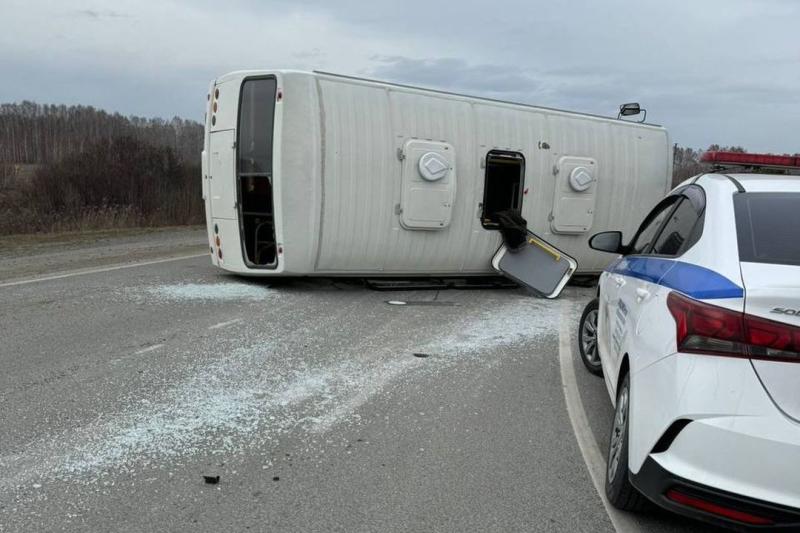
(211, 480)
(422, 302)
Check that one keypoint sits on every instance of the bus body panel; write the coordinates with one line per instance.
(221, 188)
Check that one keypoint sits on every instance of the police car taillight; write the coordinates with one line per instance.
(708, 329)
(722, 159)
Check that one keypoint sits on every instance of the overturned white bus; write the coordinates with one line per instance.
(309, 173)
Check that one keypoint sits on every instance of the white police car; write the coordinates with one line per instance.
(696, 329)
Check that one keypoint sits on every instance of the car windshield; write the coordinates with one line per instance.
(766, 226)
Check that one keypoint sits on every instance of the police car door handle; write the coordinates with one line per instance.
(642, 294)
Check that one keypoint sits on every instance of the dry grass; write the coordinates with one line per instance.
(122, 183)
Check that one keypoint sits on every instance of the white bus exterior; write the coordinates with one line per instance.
(315, 174)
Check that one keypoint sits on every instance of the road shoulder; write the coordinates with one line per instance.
(32, 256)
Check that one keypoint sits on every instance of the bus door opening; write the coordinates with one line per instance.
(254, 171)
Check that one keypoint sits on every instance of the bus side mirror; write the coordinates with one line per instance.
(628, 110)
(607, 241)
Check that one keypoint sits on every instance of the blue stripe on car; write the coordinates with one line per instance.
(692, 280)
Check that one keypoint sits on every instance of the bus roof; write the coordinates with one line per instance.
(436, 91)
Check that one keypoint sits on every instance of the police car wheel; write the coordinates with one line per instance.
(587, 339)
(621, 493)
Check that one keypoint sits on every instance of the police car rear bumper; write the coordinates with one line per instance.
(709, 504)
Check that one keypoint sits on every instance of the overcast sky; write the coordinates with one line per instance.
(712, 71)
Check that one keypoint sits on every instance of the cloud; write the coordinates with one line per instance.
(718, 71)
(98, 14)
(453, 74)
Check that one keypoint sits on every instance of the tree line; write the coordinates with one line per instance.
(89, 169)
(686, 161)
(32, 133)
(93, 169)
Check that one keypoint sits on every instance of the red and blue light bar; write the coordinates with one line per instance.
(722, 158)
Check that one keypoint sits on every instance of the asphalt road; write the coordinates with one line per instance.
(122, 388)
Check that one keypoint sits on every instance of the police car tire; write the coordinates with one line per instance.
(620, 491)
(595, 367)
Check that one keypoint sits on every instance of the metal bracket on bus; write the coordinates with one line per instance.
(400, 154)
(547, 248)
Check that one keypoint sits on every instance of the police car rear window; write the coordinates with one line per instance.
(766, 226)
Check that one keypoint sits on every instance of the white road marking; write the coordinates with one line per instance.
(148, 349)
(98, 270)
(223, 324)
(595, 463)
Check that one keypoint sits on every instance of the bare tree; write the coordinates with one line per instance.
(35, 134)
(686, 160)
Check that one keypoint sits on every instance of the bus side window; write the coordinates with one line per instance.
(503, 183)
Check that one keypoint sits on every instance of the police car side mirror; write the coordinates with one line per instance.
(607, 241)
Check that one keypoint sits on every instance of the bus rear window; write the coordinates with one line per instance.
(766, 227)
